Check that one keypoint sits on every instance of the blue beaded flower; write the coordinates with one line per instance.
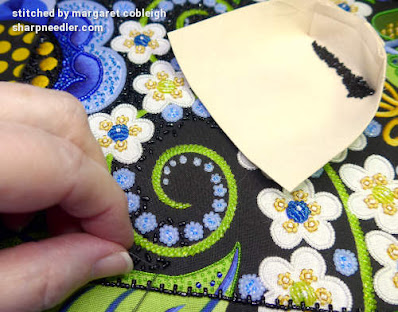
(219, 205)
(373, 129)
(345, 261)
(193, 231)
(166, 5)
(209, 3)
(124, 6)
(211, 220)
(220, 8)
(219, 190)
(197, 161)
(133, 202)
(124, 177)
(250, 284)
(199, 109)
(146, 223)
(209, 167)
(168, 235)
(172, 113)
(215, 178)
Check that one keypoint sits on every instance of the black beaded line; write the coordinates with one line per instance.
(356, 85)
(220, 296)
(163, 127)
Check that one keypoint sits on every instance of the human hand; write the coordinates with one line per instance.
(51, 161)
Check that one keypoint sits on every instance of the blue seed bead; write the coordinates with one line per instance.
(198, 285)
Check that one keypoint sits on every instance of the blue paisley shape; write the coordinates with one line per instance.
(7, 7)
(94, 74)
(176, 308)
(226, 283)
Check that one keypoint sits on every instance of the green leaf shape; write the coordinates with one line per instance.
(204, 276)
(100, 298)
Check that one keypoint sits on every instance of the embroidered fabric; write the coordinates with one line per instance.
(213, 233)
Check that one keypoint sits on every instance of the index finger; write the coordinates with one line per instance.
(56, 112)
(56, 172)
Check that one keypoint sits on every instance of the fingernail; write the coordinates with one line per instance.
(114, 264)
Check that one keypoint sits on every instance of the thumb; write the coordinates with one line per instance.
(36, 276)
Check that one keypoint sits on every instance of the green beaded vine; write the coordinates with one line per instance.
(365, 266)
(156, 182)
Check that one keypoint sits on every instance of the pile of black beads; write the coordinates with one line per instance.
(356, 86)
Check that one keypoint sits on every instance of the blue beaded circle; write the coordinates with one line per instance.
(298, 211)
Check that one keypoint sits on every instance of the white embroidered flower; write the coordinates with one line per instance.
(141, 42)
(162, 87)
(358, 145)
(303, 280)
(299, 215)
(120, 133)
(375, 192)
(356, 7)
(384, 248)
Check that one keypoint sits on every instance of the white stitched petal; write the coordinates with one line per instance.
(386, 222)
(126, 110)
(378, 243)
(377, 164)
(283, 238)
(358, 206)
(384, 285)
(139, 83)
(117, 44)
(352, 176)
(147, 129)
(330, 205)
(322, 238)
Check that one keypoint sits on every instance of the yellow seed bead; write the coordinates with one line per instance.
(1, 28)
(5, 46)
(28, 38)
(45, 48)
(40, 81)
(48, 64)
(18, 70)
(3, 66)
